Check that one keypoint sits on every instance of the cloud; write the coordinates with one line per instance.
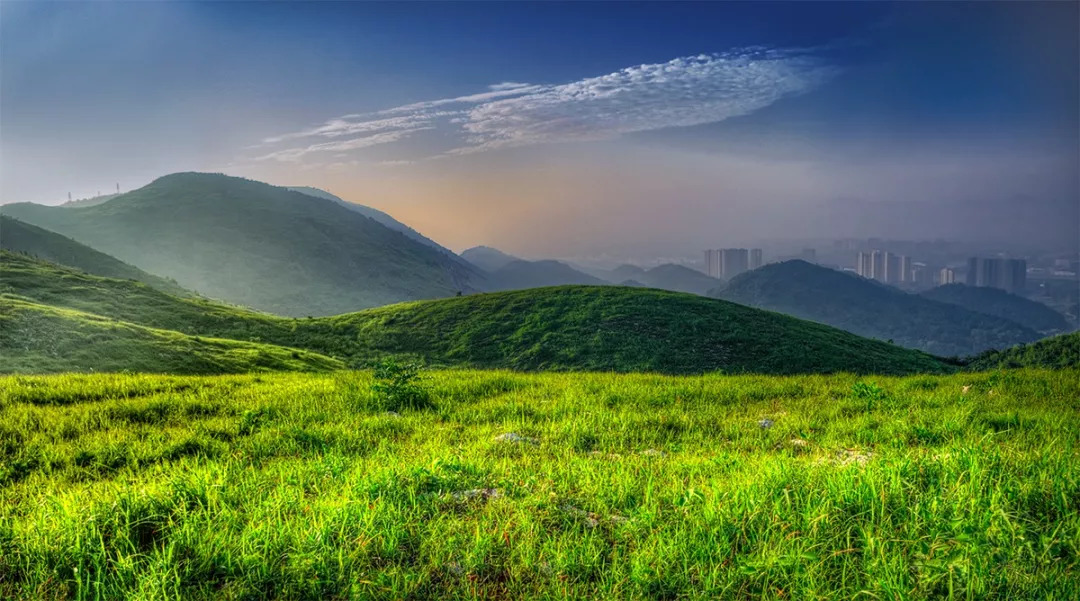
(684, 91)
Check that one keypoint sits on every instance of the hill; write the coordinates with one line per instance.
(870, 309)
(566, 328)
(376, 214)
(518, 275)
(487, 258)
(36, 338)
(992, 301)
(678, 278)
(1059, 352)
(28, 239)
(258, 245)
(89, 202)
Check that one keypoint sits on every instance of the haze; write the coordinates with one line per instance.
(570, 131)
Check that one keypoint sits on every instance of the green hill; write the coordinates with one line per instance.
(32, 240)
(258, 245)
(560, 328)
(992, 301)
(870, 309)
(1059, 352)
(37, 338)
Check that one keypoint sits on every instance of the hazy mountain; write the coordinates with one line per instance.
(517, 275)
(258, 245)
(992, 301)
(32, 240)
(376, 214)
(868, 308)
(556, 328)
(487, 258)
(679, 278)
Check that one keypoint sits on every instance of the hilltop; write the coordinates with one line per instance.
(564, 328)
(487, 258)
(1058, 352)
(24, 238)
(36, 338)
(999, 303)
(258, 245)
(871, 309)
(373, 213)
(678, 278)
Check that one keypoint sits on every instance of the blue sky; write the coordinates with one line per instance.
(472, 120)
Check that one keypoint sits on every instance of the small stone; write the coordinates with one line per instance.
(798, 442)
(393, 414)
(455, 568)
(653, 453)
(965, 389)
(765, 424)
(477, 493)
(515, 437)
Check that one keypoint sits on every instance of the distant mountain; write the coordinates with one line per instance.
(604, 328)
(487, 258)
(992, 301)
(259, 245)
(624, 272)
(376, 214)
(32, 240)
(517, 275)
(1059, 352)
(678, 278)
(868, 308)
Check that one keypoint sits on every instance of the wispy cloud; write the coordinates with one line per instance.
(684, 91)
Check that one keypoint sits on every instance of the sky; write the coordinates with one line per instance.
(569, 130)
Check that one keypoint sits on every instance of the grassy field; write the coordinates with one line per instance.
(302, 486)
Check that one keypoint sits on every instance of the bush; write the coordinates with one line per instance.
(399, 386)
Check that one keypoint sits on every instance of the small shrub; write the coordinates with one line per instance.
(399, 386)
(869, 392)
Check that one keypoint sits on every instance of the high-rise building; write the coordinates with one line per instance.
(946, 276)
(864, 264)
(712, 263)
(733, 261)
(755, 258)
(1009, 275)
(905, 269)
(877, 265)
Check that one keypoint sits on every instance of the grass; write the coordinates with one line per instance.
(1058, 352)
(601, 328)
(37, 338)
(293, 486)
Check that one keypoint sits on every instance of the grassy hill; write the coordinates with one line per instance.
(300, 487)
(1058, 352)
(992, 301)
(258, 245)
(870, 309)
(32, 240)
(560, 328)
(36, 338)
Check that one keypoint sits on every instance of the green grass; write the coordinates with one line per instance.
(1059, 352)
(37, 338)
(290, 486)
(602, 328)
